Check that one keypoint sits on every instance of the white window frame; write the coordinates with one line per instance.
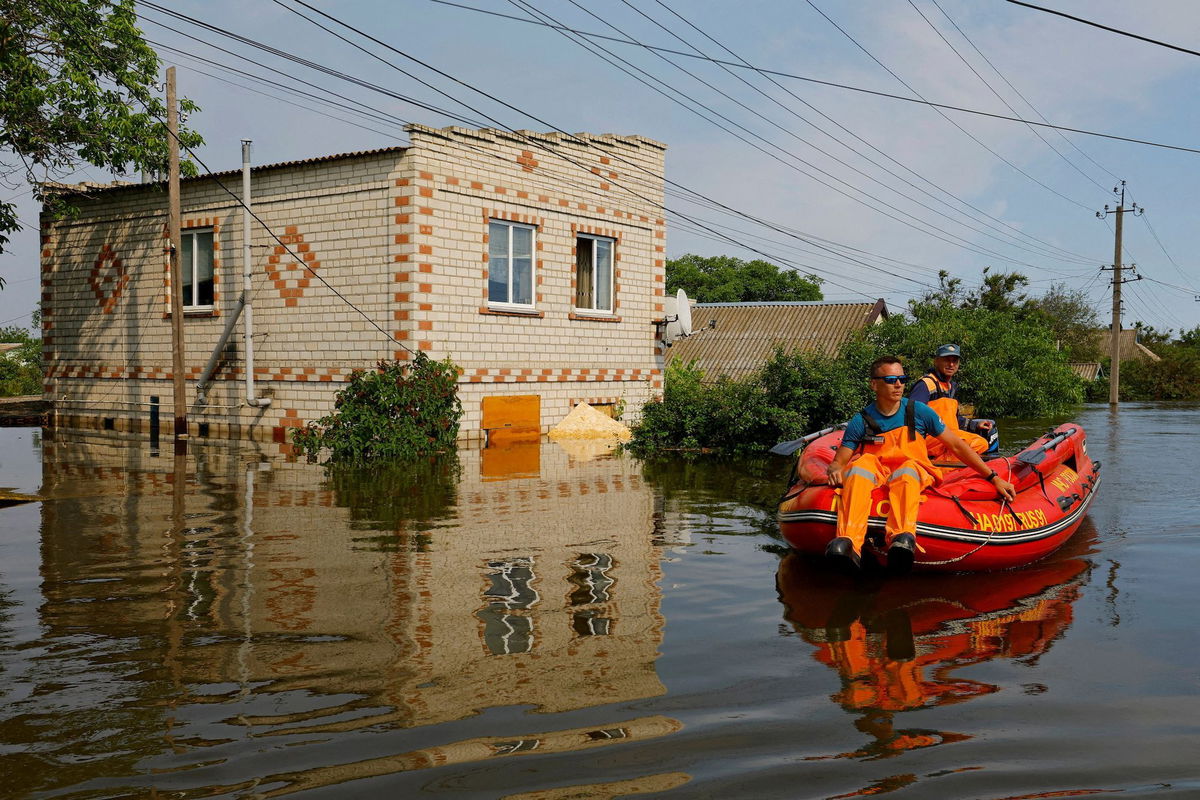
(610, 290)
(533, 265)
(189, 303)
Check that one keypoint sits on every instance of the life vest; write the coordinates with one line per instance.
(943, 399)
(898, 445)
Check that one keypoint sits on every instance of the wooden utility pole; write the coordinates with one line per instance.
(173, 256)
(1114, 368)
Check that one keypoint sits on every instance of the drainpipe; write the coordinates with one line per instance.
(251, 400)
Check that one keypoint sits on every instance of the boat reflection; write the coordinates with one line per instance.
(902, 645)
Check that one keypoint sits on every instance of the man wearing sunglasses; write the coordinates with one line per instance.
(884, 444)
(939, 390)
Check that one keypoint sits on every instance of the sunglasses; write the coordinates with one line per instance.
(890, 380)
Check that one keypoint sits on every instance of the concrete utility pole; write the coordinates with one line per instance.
(1114, 369)
(173, 255)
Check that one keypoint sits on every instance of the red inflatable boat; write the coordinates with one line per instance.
(963, 526)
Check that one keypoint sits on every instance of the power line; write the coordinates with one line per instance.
(1017, 92)
(1015, 230)
(507, 105)
(992, 89)
(1117, 31)
(970, 135)
(960, 242)
(834, 84)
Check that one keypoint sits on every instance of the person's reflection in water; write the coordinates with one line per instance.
(896, 644)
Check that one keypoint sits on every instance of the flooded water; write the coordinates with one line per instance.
(544, 623)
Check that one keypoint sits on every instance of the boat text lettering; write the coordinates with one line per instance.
(1064, 479)
(1033, 518)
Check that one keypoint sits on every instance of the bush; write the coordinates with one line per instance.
(1011, 366)
(20, 368)
(1012, 369)
(1176, 377)
(402, 410)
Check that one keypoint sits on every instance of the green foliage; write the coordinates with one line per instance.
(792, 393)
(78, 87)
(402, 410)
(1175, 377)
(1011, 366)
(724, 279)
(728, 416)
(1071, 316)
(20, 368)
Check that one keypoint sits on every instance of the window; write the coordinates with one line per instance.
(593, 273)
(510, 264)
(196, 266)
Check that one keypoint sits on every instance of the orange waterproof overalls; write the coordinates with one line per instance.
(897, 458)
(945, 404)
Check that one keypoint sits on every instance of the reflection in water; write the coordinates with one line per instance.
(223, 606)
(898, 646)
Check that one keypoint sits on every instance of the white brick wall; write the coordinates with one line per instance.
(399, 233)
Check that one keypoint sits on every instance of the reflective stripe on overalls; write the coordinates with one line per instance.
(898, 459)
(945, 405)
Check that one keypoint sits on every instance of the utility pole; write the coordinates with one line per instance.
(1114, 369)
(173, 256)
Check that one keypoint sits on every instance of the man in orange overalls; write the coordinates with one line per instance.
(938, 390)
(885, 444)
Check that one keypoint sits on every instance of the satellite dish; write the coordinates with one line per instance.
(683, 312)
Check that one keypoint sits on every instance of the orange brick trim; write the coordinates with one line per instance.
(185, 225)
(289, 276)
(512, 375)
(592, 317)
(108, 279)
(148, 372)
(543, 199)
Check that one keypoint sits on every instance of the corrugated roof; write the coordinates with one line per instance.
(745, 334)
(1088, 370)
(1131, 348)
(89, 187)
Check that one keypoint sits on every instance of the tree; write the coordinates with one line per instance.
(1071, 316)
(78, 87)
(21, 367)
(725, 279)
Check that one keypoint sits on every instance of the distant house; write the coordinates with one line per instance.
(735, 339)
(1131, 348)
(536, 261)
(1088, 370)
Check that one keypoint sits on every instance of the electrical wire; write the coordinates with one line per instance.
(1017, 92)
(992, 89)
(835, 85)
(1117, 31)
(1015, 230)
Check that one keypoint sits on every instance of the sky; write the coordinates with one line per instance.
(875, 195)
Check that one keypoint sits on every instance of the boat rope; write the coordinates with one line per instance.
(1003, 505)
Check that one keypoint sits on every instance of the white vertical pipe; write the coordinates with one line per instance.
(257, 402)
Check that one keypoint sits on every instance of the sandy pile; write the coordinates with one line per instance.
(585, 422)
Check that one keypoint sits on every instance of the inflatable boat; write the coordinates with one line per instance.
(963, 525)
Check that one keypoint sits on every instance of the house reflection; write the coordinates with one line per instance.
(899, 645)
(481, 589)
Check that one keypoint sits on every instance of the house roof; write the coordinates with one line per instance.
(90, 187)
(1088, 370)
(1131, 348)
(745, 334)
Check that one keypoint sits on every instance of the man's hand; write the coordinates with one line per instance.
(834, 473)
(984, 424)
(1006, 489)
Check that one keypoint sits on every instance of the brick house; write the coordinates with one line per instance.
(534, 261)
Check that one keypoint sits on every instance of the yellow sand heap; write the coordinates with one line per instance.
(585, 422)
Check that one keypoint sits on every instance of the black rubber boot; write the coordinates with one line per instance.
(901, 552)
(840, 552)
